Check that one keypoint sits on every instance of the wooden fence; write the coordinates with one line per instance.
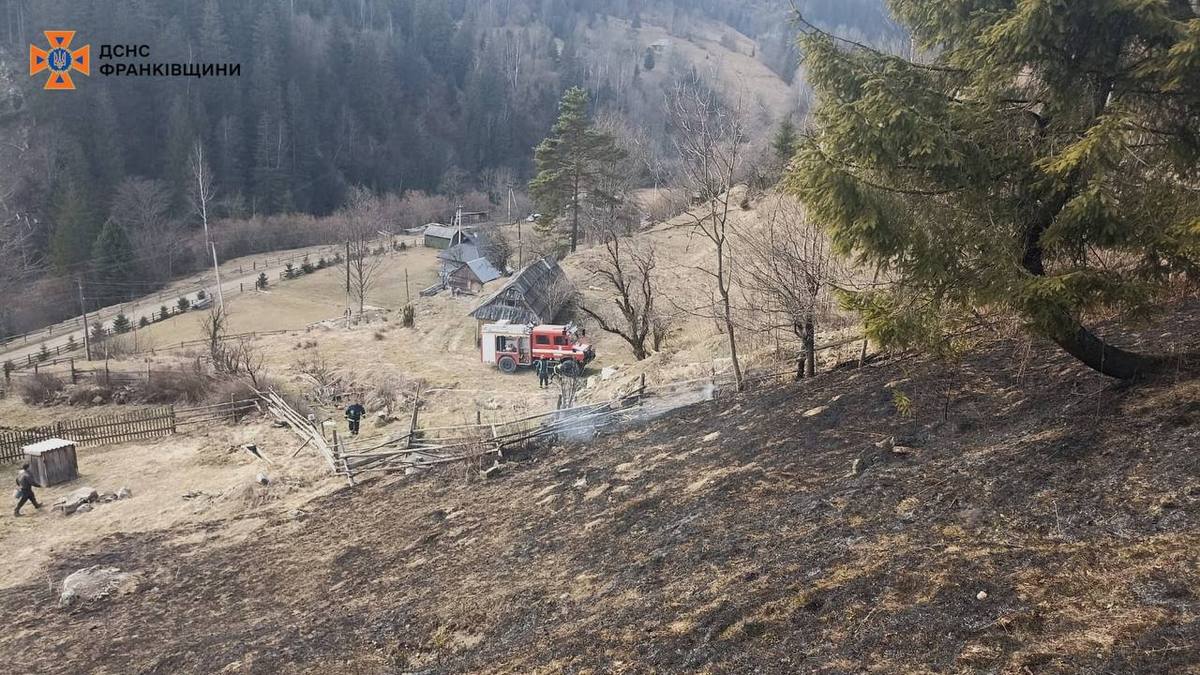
(96, 430)
(121, 427)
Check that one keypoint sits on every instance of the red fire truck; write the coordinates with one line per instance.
(509, 346)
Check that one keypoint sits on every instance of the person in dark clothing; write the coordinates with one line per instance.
(25, 490)
(354, 415)
(542, 366)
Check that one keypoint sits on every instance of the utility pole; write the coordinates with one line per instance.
(87, 338)
(217, 272)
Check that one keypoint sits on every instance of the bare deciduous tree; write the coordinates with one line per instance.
(230, 356)
(710, 139)
(628, 271)
(143, 206)
(790, 271)
(203, 188)
(362, 223)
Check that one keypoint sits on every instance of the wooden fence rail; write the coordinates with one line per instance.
(96, 430)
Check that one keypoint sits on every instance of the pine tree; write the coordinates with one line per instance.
(113, 261)
(572, 163)
(1037, 164)
(649, 61)
(121, 324)
(784, 142)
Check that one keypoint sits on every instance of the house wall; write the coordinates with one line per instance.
(436, 242)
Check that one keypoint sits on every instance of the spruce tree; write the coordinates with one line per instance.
(783, 144)
(121, 324)
(572, 163)
(1041, 162)
(113, 261)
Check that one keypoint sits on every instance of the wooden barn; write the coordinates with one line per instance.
(472, 275)
(535, 295)
(442, 237)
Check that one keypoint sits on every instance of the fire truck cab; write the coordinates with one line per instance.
(509, 346)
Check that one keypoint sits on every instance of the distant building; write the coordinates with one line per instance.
(442, 237)
(476, 217)
(536, 295)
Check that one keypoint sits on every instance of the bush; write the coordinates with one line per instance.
(43, 352)
(262, 282)
(408, 317)
(183, 304)
(121, 324)
(40, 388)
(321, 264)
(200, 294)
(88, 395)
(181, 384)
(289, 272)
(98, 333)
(72, 345)
(143, 322)
(163, 312)
(306, 266)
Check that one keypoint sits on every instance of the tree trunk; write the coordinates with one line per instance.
(1078, 341)
(810, 346)
(1104, 358)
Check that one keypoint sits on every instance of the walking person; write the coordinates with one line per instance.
(543, 372)
(354, 415)
(25, 490)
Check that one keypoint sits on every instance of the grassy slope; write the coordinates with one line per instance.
(724, 537)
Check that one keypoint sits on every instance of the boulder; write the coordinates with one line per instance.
(71, 503)
(95, 583)
(124, 493)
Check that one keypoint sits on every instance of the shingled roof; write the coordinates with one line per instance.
(533, 295)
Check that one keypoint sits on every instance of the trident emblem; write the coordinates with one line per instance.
(60, 60)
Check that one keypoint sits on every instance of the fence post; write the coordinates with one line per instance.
(74, 376)
(35, 368)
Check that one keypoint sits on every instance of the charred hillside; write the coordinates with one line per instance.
(1011, 512)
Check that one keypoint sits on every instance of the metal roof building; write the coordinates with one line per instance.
(534, 295)
(440, 236)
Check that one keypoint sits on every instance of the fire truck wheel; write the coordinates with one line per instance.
(507, 364)
(569, 368)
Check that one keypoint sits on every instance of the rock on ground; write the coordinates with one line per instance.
(71, 503)
(95, 583)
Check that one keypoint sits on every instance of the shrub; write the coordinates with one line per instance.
(43, 352)
(200, 294)
(183, 304)
(121, 324)
(321, 264)
(262, 282)
(72, 345)
(181, 384)
(143, 322)
(40, 388)
(9, 366)
(408, 317)
(88, 395)
(98, 332)
(163, 312)
(306, 267)
(289, 272)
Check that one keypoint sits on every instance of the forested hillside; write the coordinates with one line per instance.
(440, 96)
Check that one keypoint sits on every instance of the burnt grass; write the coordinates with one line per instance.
(729, 536)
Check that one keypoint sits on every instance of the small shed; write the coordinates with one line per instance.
(52, 461)
(472, 275)
(442, 237)
(535, 295)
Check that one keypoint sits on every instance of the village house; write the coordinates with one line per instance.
(534, 295)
